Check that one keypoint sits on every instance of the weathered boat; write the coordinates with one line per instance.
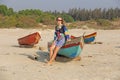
(90, 37)
(87, 38)
(72, 48)
(30, 40)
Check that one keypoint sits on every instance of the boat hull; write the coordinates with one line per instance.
(30, 39)
(89, 40)
(72, 48)
(90, 37)
(70, 52)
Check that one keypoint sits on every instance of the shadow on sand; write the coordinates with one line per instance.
(24, 46)
(44, 56)
(117, 46)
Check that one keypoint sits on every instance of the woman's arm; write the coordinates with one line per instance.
(66, 33)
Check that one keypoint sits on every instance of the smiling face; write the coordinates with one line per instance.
(59, 21)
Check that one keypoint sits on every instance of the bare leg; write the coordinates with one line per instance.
(54, 55)
(51, 51)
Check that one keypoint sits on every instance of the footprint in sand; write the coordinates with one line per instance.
(3, 69)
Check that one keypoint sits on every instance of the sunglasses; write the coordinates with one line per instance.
(59, 20)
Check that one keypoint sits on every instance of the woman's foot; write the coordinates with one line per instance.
(49, 63)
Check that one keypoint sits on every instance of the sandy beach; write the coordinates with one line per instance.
(98, 61)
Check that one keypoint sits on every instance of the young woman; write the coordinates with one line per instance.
(60, 37)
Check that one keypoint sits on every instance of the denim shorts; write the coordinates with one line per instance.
(60, 42)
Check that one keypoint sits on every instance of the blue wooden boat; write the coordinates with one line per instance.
(90, 37)
(87, 38)
(72, 48)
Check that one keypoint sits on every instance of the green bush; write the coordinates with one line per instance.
(103, 22)
(67, 18)
(46, 19)
(7, 22)
(26, 22)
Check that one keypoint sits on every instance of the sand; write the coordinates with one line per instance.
(98, 61)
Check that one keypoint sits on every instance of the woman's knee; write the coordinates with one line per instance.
(51, 48)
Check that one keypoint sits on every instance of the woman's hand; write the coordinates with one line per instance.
(69, 40)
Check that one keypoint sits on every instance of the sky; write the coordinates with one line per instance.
(59, 5)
